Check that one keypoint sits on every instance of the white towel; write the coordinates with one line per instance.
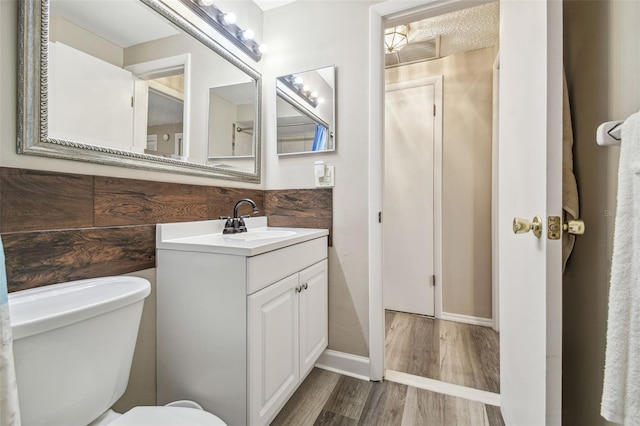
(9, 410)
(621, 390)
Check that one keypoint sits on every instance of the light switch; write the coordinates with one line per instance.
(328, 180)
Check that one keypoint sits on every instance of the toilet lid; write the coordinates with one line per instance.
(167, 416)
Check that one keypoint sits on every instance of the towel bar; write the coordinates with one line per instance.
(608, 133)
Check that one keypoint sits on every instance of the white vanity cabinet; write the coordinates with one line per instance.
(240, 323)
(287, 334)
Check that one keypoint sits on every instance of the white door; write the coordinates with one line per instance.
(141, 117)
(95, 97)
(530, 184)
(314, 315)
(408, 206)
(273, 348)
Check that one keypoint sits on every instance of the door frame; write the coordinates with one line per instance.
(147, 69)
(380, 14)
(437, 82)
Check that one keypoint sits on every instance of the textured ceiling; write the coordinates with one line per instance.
(461, 31)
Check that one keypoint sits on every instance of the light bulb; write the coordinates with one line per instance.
(320, 100)
(228, 18)
(314, 94)
(306, 88)
(298, 80)
(204, 2)
(263, 48)
(246, 34)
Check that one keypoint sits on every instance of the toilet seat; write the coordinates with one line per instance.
(167, 416)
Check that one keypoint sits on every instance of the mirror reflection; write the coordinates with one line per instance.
(130, 78)
(305, 108)
(231, 121)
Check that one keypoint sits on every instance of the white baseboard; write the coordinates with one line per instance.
(344, 363)
(467, 319)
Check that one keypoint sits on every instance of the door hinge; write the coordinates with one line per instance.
(434, 110)
(132, 102)
(433, 280)
(379, 217)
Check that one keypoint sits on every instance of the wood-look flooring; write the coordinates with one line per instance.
(327, 398)
(462, 354)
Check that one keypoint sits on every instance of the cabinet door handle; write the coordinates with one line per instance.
(305, 286)
(298, 288)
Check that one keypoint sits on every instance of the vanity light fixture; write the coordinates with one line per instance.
(246, 35)
(225, 24)
(396, 38)
(296, 84)
(229, 18)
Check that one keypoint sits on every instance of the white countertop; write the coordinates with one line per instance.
(206, 236)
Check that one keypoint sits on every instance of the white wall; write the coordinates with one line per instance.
(74, 36)
(313, 34)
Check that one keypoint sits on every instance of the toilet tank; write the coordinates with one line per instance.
(73, 345)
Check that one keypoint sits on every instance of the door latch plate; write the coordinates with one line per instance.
(554, 230)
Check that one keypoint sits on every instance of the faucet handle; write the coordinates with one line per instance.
(242, 227)
(246, 216)
(224, 217)
(229, 225)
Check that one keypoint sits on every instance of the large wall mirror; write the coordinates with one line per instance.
(133, 83)
(305, 106)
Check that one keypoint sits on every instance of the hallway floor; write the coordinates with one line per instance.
(453, 352)
(327, 398)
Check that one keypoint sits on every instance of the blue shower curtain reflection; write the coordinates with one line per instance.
(320, 138)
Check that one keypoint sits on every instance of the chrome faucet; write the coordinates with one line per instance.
(236, 224)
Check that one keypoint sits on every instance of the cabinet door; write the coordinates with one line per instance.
(273, 349)
(314, 317)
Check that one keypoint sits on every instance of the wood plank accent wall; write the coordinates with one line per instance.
(300, 208)
(58, 227)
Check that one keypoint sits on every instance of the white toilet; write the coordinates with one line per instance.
(73, 346)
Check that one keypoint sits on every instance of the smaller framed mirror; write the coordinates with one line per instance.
(305, 106)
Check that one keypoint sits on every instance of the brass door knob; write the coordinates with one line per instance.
(574, 227)
(522, 226)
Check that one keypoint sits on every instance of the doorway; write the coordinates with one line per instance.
(453, 342)
(161, 106)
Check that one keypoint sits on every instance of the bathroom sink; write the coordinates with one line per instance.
(207, 236)
(261, 235)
